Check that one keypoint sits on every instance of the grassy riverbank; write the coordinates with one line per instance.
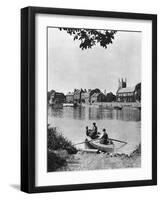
(59, 149)
(93, 161)
(63, 156)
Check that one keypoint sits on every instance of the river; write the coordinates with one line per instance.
(122, 124)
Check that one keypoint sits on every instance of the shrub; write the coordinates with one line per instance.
(57, 141)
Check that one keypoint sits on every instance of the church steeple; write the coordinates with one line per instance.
(122, 83)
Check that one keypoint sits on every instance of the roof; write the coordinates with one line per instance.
(69, 94)
(126, 90)
(77, 91)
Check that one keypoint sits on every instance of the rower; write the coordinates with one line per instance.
(104, 138)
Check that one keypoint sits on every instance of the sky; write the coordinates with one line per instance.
(70, 67)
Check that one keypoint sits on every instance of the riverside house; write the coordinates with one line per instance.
(77, 95)
(70, 97)
(87, 97)
(82, 96)
(57, 98)
(128, 94)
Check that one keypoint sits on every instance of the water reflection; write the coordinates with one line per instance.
(95, 113)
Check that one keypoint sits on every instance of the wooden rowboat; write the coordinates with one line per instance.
(95, 144)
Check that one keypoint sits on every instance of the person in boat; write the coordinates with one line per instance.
(94, 133)
(87, 131)
(104, 138)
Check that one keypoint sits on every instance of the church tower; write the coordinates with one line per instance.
(122, 83)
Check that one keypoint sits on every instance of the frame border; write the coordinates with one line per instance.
(28, 98)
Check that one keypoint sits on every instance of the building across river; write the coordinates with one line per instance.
(70, 97)
(81, 96)
(128, 94)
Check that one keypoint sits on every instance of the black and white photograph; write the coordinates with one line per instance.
(93, 99)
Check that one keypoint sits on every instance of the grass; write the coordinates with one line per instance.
(56, 142)
(137, 151)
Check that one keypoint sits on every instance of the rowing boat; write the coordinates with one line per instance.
(95, 144)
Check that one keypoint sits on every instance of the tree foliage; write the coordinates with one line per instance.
(138, 92)
(90, 37)
(95, 91)
(110, 97)
(57, 141)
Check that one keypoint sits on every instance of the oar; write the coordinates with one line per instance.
(99, 139)
(118, 140)
(87, 141)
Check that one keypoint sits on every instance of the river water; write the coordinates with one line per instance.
(122, 124)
